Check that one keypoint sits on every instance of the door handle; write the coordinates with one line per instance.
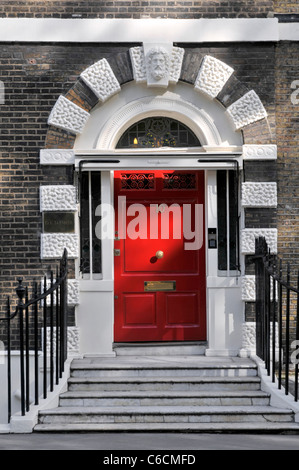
(159, 254)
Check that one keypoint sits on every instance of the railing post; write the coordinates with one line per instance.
(27, 352)
(8, 362)
(21, 293)
(297, 339)
(287, 359)
(58, 292)
(274, 325)
(57, 330)
(267, 313)
(260, 292)
(52, 336)
(280, 317)
(45, 340)
(63, 303)
(36, 362)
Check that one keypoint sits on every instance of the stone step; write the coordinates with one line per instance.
(164, 399)
(164, 383)
(159, 370)
(253, 428)
(165, 414)
(197, 348)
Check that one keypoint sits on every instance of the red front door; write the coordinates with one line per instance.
(160, 280)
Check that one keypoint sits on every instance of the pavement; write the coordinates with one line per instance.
(147, 442)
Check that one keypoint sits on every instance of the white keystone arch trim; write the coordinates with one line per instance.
(212, 76)
(139, 65)
(68, 116)
(58, 198)
(101, 80)
(247, 110)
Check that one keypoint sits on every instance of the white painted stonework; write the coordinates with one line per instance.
(101, 80)
(142, 68)
(209, 121)
(247, 110)
(73, 292)
(248, 288)
(212, 76)
(73, 340)
(58, 198)
(249, 336)
(195, 118)
(96, 30)
(157, 74)
(68, 116)
(57, 157)
(138, 64)
(53, 245)
(260, 152)
(259, 194)
(176, 62)
(248, 239)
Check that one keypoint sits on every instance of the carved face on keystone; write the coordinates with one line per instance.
(158, 63)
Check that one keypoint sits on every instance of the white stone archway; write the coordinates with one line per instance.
(194, 118)
(197, 104)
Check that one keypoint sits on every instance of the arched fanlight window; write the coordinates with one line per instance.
(156, 132)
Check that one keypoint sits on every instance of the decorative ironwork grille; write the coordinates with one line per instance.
(138, 181)
(179, 181)
(156, 132)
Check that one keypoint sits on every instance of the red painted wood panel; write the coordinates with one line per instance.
(149, 219)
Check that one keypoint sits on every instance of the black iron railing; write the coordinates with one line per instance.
(41, 326)
(277, 318)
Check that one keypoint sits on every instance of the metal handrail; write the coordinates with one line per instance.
(40, 313)
(274, 309)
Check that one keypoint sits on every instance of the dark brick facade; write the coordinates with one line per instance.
(287, 117)
(137, 9)
(35, 76)
(283, 7)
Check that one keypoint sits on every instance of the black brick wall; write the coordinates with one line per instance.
(34, 77)
(189, 9)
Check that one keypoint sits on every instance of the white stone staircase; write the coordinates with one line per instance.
(165, 394)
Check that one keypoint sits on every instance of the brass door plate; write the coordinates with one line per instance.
(159, 286)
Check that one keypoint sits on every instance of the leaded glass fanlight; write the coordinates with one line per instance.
(156, 132)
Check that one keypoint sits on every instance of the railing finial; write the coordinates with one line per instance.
(20, 290)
